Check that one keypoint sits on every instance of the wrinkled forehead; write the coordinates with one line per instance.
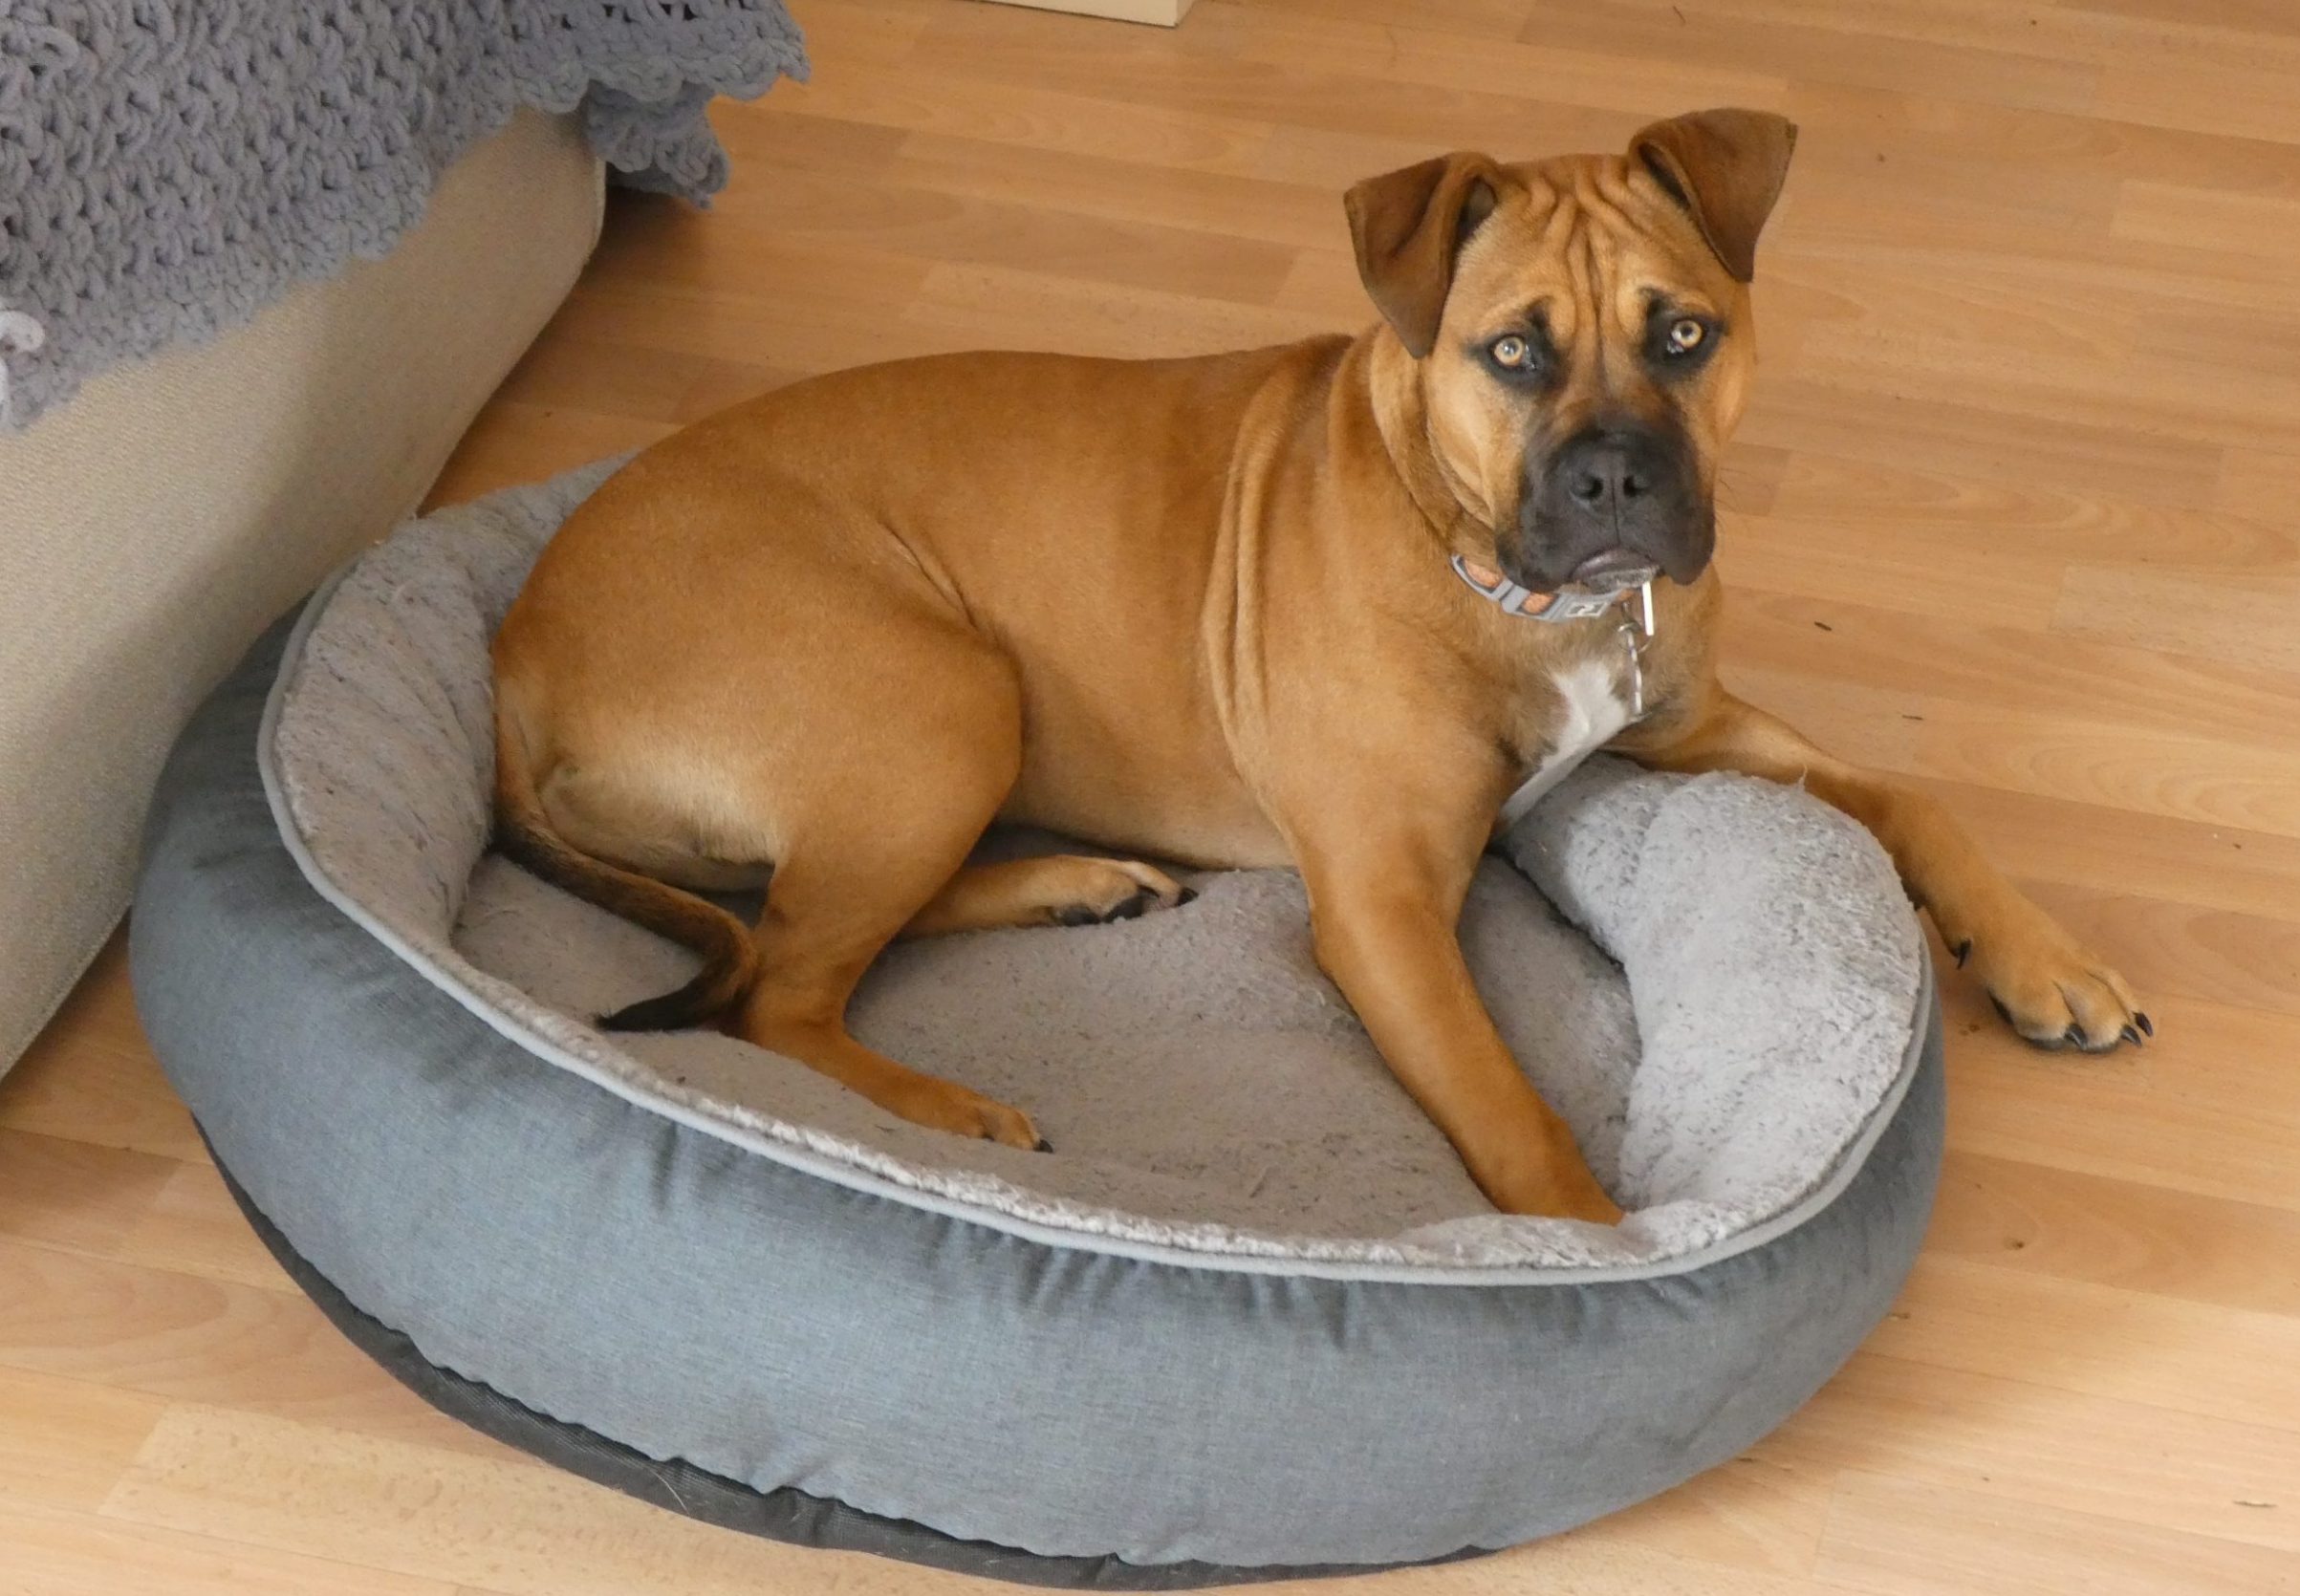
(1597, 242)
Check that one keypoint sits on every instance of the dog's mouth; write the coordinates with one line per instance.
(1611, 570)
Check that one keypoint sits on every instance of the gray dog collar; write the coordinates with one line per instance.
(1516, 600)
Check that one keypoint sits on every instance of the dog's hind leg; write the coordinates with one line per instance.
(1063, 889)
(874, 824)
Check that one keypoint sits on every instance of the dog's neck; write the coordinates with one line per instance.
(1392, 391)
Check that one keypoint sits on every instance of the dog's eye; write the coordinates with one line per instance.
(1511, 352)
(1685, 336)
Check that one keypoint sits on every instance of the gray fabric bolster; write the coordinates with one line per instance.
(533, 1233)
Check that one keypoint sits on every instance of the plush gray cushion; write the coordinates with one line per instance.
(1132, 1357)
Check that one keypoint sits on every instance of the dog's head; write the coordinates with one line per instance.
(1581, 339)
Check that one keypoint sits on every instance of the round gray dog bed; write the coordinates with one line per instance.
(1250, 1319)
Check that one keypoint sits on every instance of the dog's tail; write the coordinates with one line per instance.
(524, 833)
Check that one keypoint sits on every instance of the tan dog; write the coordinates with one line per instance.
(1205, 610)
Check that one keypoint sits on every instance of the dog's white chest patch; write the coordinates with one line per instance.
(1591, 714)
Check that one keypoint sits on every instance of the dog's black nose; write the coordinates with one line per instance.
(1606, 474)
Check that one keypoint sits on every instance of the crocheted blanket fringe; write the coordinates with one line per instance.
(167, 169)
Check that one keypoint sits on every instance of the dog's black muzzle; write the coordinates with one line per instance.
(1607, 508)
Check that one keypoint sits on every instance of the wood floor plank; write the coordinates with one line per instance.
(1894, 498)
(1979, 577)
(2144, 693)
(1288, 216)
(524, 1530)
(2175, 861)
(193, 1226)
(958, 301)
(1854, 57)
(1883, 314)
(625, 381)
(2108, 1232)
(56, 1554)
(921, 222)
(1308, 91)
(89, 1076)
(1598, 1561)
(2099, 1341)
(2208, 1108)
(170, 1334)
(2244, 101)
(1973, 1541)
(657, 245)
(65, 1443)
(1915, 119)
(2259, 483)
(513, 441)
(502, 1524)
(2247, 624)
(1866, 412)
(923, 98)
(2180, 213)
(1754, 1518)
(1569, 71)
(74, 1194)
(2234, 961)
(2057, 1451)
(2241, 782)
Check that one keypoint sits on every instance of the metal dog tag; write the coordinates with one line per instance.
(1634, 636)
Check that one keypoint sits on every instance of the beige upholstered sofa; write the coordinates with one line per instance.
(153, 525)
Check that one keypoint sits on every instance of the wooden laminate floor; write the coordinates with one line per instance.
(2011, 516)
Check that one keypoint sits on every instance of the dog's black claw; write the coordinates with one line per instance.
(2072, 1037)
(1126, 909)
(2141, 1021)
(2132, 1035)
(1133, 907)
(1964, 952)
(1189, 894)
(1044, 1146)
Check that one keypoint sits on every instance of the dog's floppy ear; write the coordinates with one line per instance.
(1726, 168)
(1406, 225)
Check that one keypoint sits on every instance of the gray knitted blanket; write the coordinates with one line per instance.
(168, 168)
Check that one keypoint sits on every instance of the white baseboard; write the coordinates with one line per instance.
(1164, 14)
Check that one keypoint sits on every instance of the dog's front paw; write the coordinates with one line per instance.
(2047, 987)
(1560, 1199)
(1555, 1184)
(1588, 1202)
